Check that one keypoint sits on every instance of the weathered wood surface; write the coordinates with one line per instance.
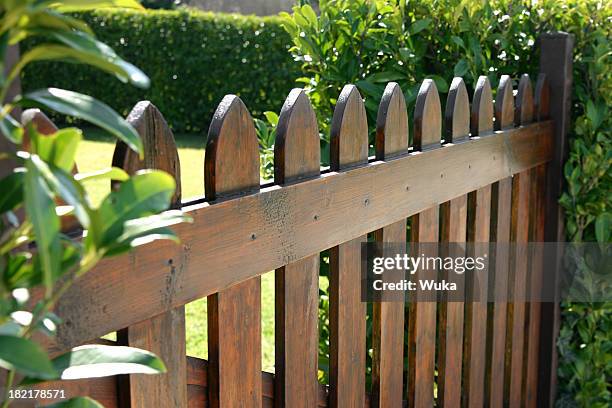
(296, 157)
(501, 196)
(234, 315)
(163, 334)
(118, 292)
(388, 317)
(349, 140)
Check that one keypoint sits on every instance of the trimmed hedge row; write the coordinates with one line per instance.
(193, 58)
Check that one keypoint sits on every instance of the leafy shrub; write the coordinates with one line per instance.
(369, 43)
(193, 58)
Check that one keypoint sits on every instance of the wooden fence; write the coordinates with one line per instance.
(495, 177)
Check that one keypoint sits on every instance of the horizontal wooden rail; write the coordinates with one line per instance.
(244, 237)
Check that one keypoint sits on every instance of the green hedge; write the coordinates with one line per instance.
(193, 59)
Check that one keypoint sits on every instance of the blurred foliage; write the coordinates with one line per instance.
(370, 43)
(193, 58)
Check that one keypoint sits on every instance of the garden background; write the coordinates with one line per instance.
(194, 58)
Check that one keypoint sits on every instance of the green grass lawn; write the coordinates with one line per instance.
(96, 153)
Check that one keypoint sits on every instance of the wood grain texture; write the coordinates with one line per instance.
(424, 229)
(388, 317)
(517, 277)
(457, 113)
(234, 314)
(453, 229)
(163, 334)
(556, 61)
(296, 156)
(349, 140)
(478, 232)
(427, 117)
(133, 288)
(501, 196)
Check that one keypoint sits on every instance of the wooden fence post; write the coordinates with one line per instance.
(388, 317)
(234, 314)
(297, 156)
(556, 63)
(163, 334)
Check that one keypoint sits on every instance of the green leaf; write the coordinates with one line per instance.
(146, 193)
(461, 67)
(11, 129)
(86, 108)
(58, 148)
(111, 173)
(309, 14)
(603, 227)
(69, 6)
(386, 76)
(441, 83)
(12, 190)
(95, 360)
(40, 210)
(84, 50)
(78, 402)
(26, 357)
(419, 25)
(272, 117)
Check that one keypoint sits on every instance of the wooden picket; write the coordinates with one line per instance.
(476, 175)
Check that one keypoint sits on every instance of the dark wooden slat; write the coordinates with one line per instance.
(424, 228)
(349, 140)
(133, 288)
(388, 317)
(479, 217)
(519, 234)
(536, 234)
(297, 156)
(234, 314)
(453, 230)
(556, 61)
(501, 196)
(163, 334)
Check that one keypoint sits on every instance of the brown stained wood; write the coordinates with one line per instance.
(388, 316)
(541, 102)
(159, 148)
(234, 314)
(524, 112)
(424, 229)
(349, 139)
(556, 61)
(103, 390)
(453, 229)
(519, 234)
(133, 287)
(481, 117)
(501, 196)
(297, 156)
(427, 117)
(479, 224)
(163, 334)
(457, 113)
(388, 122)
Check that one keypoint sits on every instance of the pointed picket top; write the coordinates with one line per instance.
(427, 117)
(159, 147)
(391, 123)
(523, 113)
(349, 130)
(482, 108)
(43, 124)
(297, 152)
(457, 113)
(542, 98)
(231, 163)
(504, 104)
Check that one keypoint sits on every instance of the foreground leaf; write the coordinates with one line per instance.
(12, 190)
(87, 108)
(92, 361)
(26, 357)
